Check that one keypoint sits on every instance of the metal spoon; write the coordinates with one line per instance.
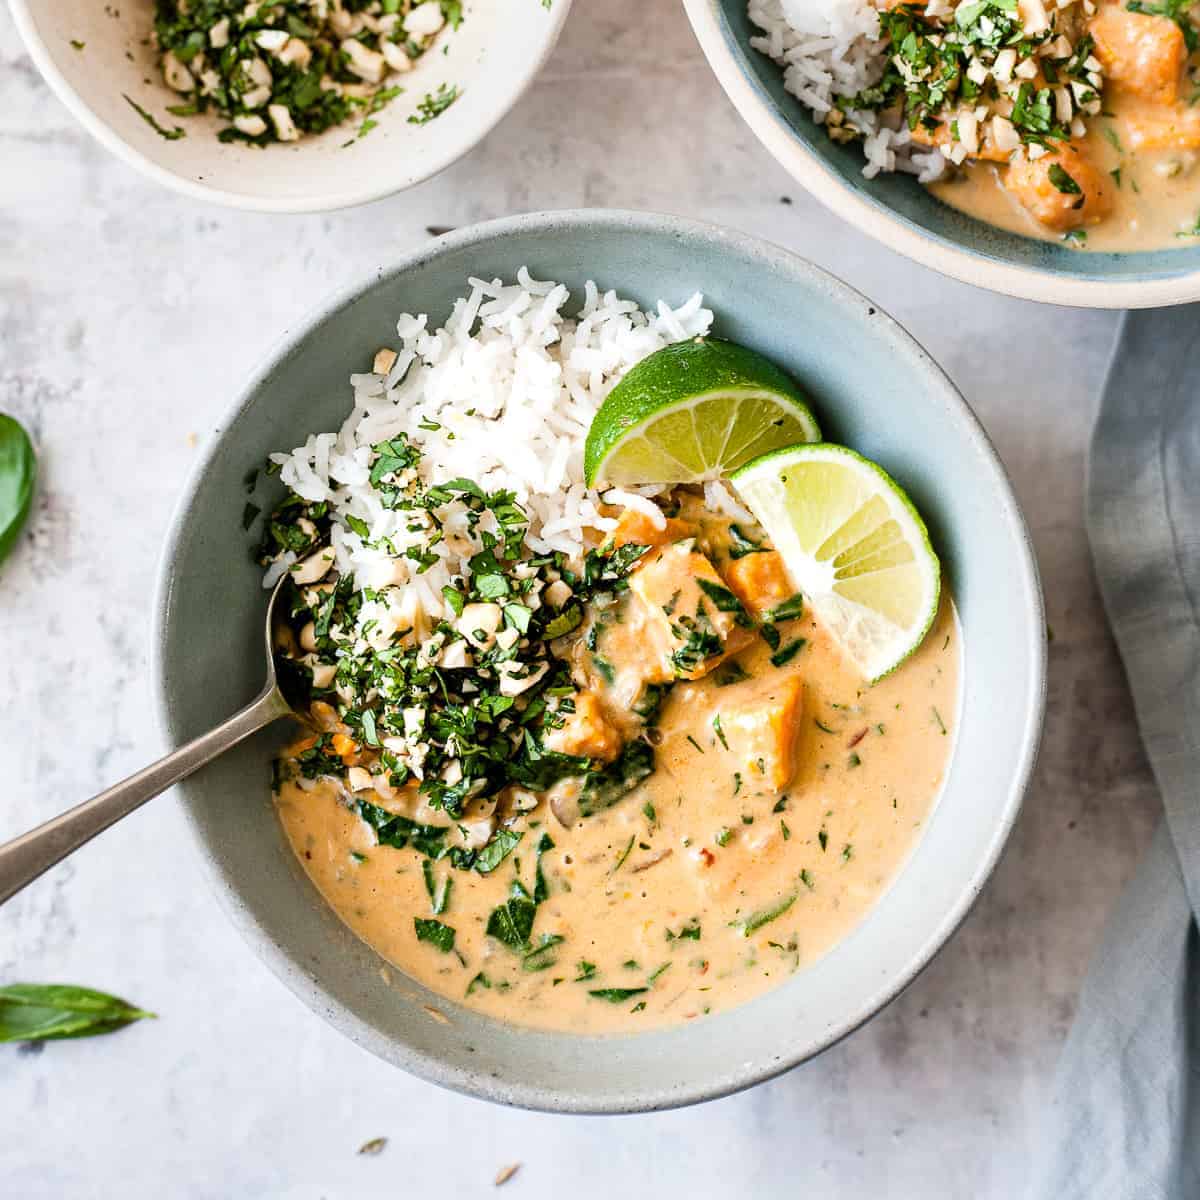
(25, 858)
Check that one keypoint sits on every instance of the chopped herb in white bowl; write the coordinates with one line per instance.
(280, 69)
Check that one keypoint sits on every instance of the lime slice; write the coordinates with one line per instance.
(694, 411)
(853, 544)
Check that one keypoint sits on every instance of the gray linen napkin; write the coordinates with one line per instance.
(1125, 1123)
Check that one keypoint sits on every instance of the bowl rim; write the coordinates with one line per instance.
(1027, 283)
(522, 76)
(292, 972)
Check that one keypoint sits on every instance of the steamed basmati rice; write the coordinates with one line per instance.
(503, 395)
(831, 49)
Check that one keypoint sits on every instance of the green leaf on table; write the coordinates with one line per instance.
(34, 1012)
(18, 468)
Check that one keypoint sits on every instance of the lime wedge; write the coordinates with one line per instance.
(853, 544)
(694, 411)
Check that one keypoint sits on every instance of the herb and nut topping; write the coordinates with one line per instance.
(985, 78)
(280, 69)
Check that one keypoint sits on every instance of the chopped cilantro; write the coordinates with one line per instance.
(716, 724)
(171, 135)
(616, 995)
(764, 916)
(434, 104)
(785, 654)
(1063, 181)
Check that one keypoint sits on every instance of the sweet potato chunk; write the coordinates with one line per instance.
(691, 617)
(585, 731)
(1063, 189)
(1140, 53)
(763, 732)
(637, 528)
(760, 581)
(1179, 129)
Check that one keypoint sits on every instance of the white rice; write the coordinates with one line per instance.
(503, 395)
(830, 49)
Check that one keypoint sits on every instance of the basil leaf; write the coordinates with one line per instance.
(435, 933)
(18, 469)
(722, 597)
(785, 654)
(540, 958)
(742, 544)
(512, 922)
(602, 789)
(439, 897)
(503, 842)
(541, 890)
(728, 673)
(398, 832)
(789, 610)
(45, 1011)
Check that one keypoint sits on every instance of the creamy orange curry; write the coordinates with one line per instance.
(1074, 120)
(653, 795)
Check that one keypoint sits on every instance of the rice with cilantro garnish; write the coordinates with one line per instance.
(928, 87)
(830, 52)
(501, 396)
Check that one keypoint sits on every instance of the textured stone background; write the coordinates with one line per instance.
(128, 317)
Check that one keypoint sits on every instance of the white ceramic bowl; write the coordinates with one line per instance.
(874, 388)
(900, 213)
(492, 58)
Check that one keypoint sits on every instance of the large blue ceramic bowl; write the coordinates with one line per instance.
(874, 388)
(904, 216)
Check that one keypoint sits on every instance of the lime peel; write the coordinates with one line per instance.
(692, 412)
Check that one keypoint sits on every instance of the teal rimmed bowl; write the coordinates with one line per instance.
(873, 388)
(901, 214)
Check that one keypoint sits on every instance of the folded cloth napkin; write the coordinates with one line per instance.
(1125, 1122)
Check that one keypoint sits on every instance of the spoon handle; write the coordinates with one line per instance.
(25, 858)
